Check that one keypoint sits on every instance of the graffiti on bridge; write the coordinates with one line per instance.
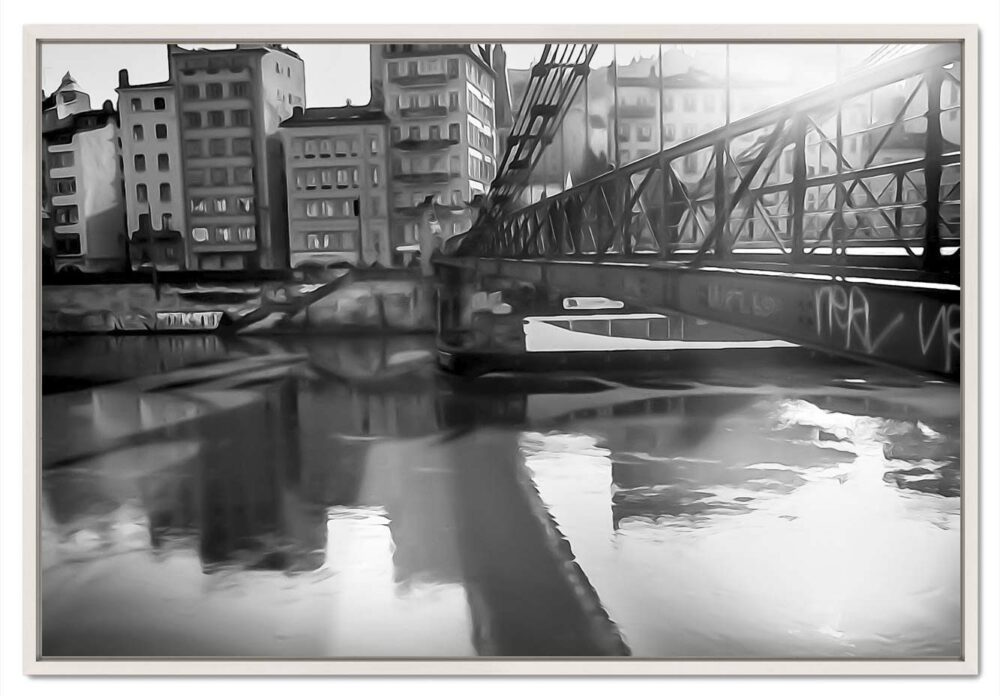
(944, 332)
(726, 298)
(847, 317)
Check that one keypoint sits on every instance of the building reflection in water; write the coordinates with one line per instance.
(352, 501)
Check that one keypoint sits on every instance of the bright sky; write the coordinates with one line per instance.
(336, 72)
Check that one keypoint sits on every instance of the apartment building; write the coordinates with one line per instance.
(439, 99)
(82, 182)
(336, 187)
(152, 170)
(231, 104)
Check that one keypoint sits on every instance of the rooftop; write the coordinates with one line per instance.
(334, 115)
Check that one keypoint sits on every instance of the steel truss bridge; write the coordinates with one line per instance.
(832, 220)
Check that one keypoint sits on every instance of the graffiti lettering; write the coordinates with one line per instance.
(846, 318)
(944, 333)
(740, 301)
(188, 321)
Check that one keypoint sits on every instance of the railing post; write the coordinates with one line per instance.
(798, 186)
(932, 171)
(722, 244)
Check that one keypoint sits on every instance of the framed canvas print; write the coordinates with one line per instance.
(506, 350)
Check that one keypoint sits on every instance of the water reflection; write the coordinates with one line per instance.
(342, 498)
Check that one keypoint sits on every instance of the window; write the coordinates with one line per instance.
(645, 133)
(192, 119)
(219, 177)
(689, 102)
(223, 234)
(313, 241)
(191, 92)
(625, 155)
(414, 133)
(166, 222)
(192, 148)
(141, 193)
(241, 117)
(140, 163)
(68, 97)
(624, 131)
(161, 131)
(668, 103)
(411, 67)
(325, 148)
(340, 148)
(242, 146)
(310, 148)
(68, 245)
(200, 234)
(136, 133)
(394, 134)
(245, 233)
(216, 119)
(195, 177)
(244, 204)
(163, 162)
(165, 193)
(342, 178)
(137, 105)
(221, 205)
(243, 175)
(67, 215)
(213, 90)
(64, 187)
(669, 132)
(240, 89)
(691, 163)
(159, 104)
(61, 159)
(373, 145)
(452, 101)
(454, 132)
(435, 133)
(199, 205)
(376, 176)
(452, 67)
(217, 147)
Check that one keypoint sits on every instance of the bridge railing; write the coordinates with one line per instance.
(870, 164)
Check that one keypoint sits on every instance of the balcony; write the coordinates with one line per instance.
(435, 111)
(424, 144)
(419, 80)
(637, 110)
(414, 211)
(423, 177)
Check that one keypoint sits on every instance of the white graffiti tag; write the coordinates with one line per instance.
(846, 317)
(945, 332)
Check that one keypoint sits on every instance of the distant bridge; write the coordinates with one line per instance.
(823, 221)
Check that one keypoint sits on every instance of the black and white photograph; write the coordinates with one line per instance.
(518, 349)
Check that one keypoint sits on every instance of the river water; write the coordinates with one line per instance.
(341, 497)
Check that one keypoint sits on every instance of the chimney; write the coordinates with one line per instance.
(108, 107)
(297, 111)
(122, 78)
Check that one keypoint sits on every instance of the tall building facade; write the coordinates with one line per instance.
(231, 103)
(440, 102)
(82, 182)
(336, 186)
(153, 174)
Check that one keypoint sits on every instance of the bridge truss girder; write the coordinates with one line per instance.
(830, 309)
